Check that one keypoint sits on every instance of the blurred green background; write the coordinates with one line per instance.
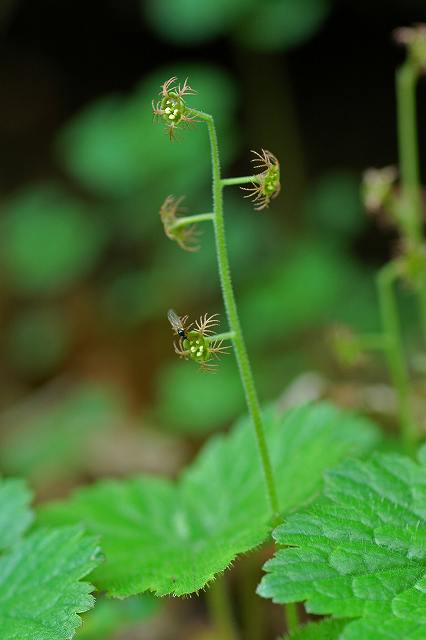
(89, 384)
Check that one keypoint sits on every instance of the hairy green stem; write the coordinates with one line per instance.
(229, 182)
(220, 610)
(233, 319)
(186, 220)
(394, 349)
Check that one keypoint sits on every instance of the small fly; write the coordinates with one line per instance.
(177, 323)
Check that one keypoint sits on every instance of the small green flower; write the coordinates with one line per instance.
(172, 108)
(412, 263)
(346, 346)
(195, 341)
(185, 235)
(377, 187)
(415, 40)
(267, 184)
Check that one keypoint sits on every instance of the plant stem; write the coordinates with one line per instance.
(397, 367)
(186, 220)
(421, 293)
(233, 319)
(229, 182)
(220, 610)
(406, 80)
(250, 604)
(291, 616)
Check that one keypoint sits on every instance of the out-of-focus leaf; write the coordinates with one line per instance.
(114, 147)
(49, 435)
(193, 21)
(47, 240)
(37, 340)
(293, 295)
(281, 24)
(173, 538)
(15, 515)
(334, 206)
(110, 616)
(187, 399)
(130, 297)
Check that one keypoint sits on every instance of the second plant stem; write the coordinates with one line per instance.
(394, 349)
(406, 81)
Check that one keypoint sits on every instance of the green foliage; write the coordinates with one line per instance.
(48, 439)
(174, 538)
(40, 588)
(15, 515)
(48, 240)
(328, 629)
(41, 591)
(359, 551)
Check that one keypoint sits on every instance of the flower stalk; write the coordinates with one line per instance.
(233, 319)
(196, 342)
(404, 208)
(406, 81)
(395, 354)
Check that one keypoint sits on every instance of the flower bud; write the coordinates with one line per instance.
(415, 40)
(346, 346)
(196, 341)
(267, 184)
(172, 108)
(186, 235)
(377, 187)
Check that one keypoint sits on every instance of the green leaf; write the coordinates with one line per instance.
(175, 537)
(40, 588)
(360, 550)
(15, 515)
(324, 630)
